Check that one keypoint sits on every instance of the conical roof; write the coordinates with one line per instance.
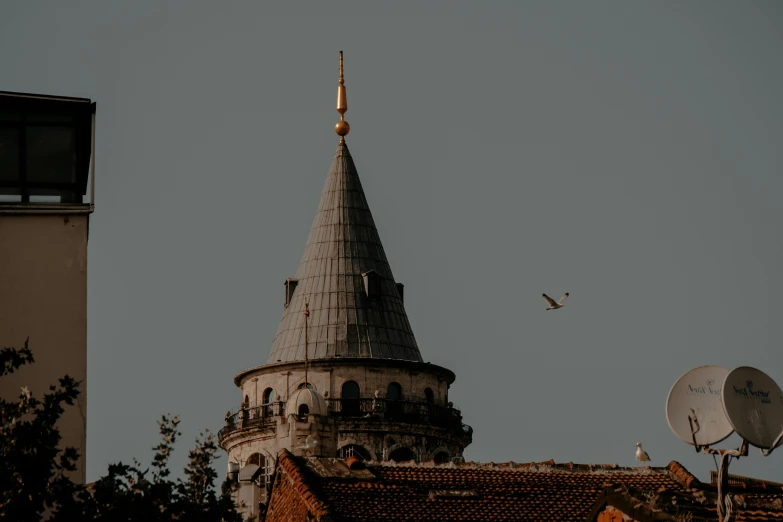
(344, 320)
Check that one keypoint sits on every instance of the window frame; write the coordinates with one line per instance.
(22, 112)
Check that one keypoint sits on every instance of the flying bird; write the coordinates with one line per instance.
(310, 442)
(641, 455)
(554, 305)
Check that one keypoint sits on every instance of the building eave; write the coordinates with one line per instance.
(365, 362)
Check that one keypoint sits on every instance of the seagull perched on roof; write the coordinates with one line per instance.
(554, 305)
(641, 455)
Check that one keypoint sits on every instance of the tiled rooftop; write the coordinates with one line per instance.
(511, 491)
(344, 244)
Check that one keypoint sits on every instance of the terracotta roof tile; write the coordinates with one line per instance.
(512, 491)
(298, 476)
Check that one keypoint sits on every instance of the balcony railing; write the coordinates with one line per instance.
(262, 417)
(398, 411)
(415, 412)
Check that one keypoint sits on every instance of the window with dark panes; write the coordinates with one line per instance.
(350, 398)
(267, 399)
(50, 154)
(45, 148)
(9, 154)
(393, 395)
(394, 392)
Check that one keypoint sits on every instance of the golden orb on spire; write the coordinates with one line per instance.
(342, 128)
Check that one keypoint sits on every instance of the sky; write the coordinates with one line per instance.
(629, 153)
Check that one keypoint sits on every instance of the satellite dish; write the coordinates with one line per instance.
(753, 403)
(697, 394)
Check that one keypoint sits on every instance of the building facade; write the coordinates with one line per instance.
(46, 151)
(344, 376)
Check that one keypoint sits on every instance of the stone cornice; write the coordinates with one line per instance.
(364, 362)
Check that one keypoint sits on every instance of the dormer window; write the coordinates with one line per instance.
(290, 286)
(372, 284)
(400, 288)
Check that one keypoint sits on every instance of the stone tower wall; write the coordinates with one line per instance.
(329, 382)
(378, 436)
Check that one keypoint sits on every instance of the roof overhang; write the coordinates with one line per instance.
(366, 362)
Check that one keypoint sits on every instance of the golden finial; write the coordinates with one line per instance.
(342, 128)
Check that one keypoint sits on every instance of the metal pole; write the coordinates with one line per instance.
(307, 314)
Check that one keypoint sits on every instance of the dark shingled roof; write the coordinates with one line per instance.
(342, 246)
(329, 490)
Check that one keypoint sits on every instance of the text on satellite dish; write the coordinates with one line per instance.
(704, 390)
(749, 393)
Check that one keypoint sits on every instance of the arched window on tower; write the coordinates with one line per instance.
(393, 398)
(255, 480)
(430, 398)
(354, 450)
(350, 398)
(402, 455)
(266, 476)
(245, 410)
(441, 457)
(266, 400)
(394, 391)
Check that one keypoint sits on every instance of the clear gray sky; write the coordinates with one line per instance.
(627, 152)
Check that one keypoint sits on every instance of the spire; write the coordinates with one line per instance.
(342, 128)
(355, 306)
(345, 302)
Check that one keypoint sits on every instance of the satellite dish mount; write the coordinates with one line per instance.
(693, 421)
(717, 403)
(778, 442)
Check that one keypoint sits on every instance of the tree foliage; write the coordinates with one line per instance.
(34, 479)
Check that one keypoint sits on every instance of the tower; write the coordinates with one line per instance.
(46, 158)
(344, 350)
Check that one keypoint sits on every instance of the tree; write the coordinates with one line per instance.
(34, 470)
